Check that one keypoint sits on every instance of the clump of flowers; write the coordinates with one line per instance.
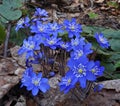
(34, 82)
(53, 36)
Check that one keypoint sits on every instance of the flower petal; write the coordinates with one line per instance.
(35, 91)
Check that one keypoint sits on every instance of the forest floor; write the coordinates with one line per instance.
(87, 12)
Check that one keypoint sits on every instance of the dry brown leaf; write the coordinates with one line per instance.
(99, 1)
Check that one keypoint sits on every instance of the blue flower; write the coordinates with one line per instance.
(22, 23)
(40, 15)
(34, 82)
(95, 70)
(40, 12)
(39, 38)
(81, 51)
(28, 47)
(65, 45)
(36, 59)
(102, 40)
(51, 42)
(67, 82)
(54, 28)
(72, 28)
(77, 41)
(79, 69)
(40, 28)
(98, 87)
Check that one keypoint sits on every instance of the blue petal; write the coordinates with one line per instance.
(74, 81)
(44, 80)
(90, 76)
(62, 87)
(69, 74)
(21, 51)
(90, 65)
(43, 87)
(97, 63)
(30, 87)
(39, 75)
(98, 87)
(66, 90)
(82, 81)
(35, 91)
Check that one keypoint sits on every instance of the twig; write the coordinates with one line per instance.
(7, 39)
(91, 3)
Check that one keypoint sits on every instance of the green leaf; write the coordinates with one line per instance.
(117, 64)
(93, 15)
(115, 44)
(17, 37)
(9, 10)
(92, 29)
(111, 33)
(113, 4)
(117, 76)
(87, 29)
(114, 57)
(109, 67)
(2, 34)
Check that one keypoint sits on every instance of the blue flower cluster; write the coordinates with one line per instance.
(81, 69)
(34, 82)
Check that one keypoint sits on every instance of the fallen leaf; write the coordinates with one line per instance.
(99, 1)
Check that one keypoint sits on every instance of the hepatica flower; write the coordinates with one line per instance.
(39, 28)
(79, 69)
(54, 28)
(81, 51)
(34, 82)
(72, 28)
(52, 41)
(40, 12)
(40, 15)
(28, 47)
(77, 41)
(22, 23)
(65, 45)
(95, 70)
(67, 82)
(98, 87)
(102, 40)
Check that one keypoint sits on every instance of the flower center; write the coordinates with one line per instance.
(93, 70)
(101, 39)
(63, 45)
(75, 43)
(68, 82)
(21, 21)
(35, 82)
(54, 28)
(80, 53)
(80, 71)
(41, 29)
(72, 27)
(51, 42)
(32, 46)
(26, 45)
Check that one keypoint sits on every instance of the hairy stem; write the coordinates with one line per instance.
(7, 39)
